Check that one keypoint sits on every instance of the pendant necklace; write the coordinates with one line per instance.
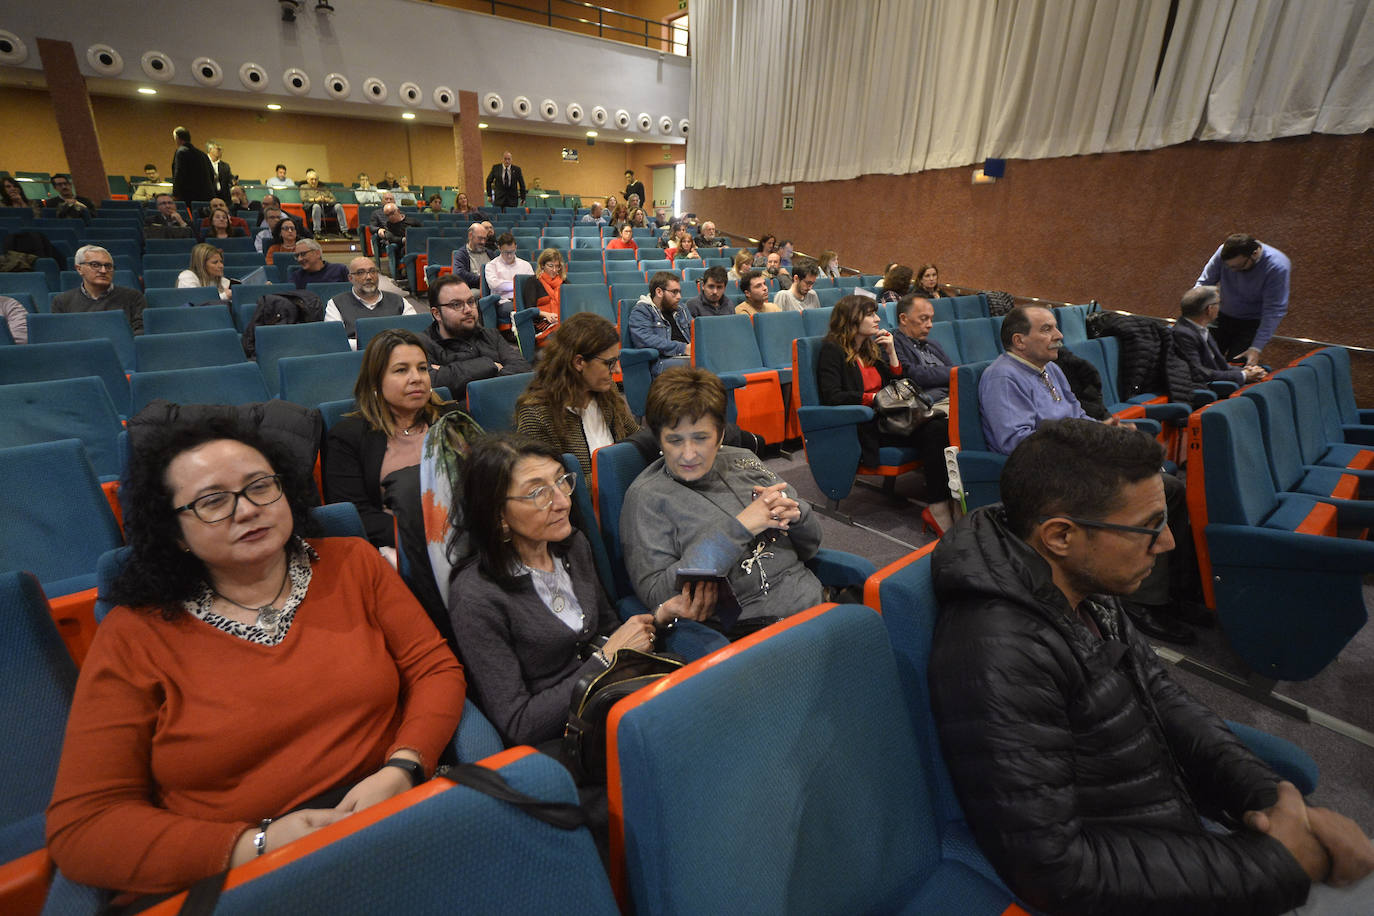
(269, 616)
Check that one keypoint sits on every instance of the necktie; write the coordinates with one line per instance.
(508, 176)
(1045, 377)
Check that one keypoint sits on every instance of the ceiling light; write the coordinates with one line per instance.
(591, 133)
(481, 125)
(629, 139)
(408, 115)
(146, 90)
(273, 106)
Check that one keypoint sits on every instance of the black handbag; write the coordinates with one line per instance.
(584, 738)
(902, 408)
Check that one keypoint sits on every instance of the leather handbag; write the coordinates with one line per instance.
(584, 738)
(902, 408)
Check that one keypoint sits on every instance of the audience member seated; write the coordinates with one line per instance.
(527, 608)
(1024, 388)
(857, 359)
(880, 284)
(595, 216)
(896, 283)
(15, 196)
(741, 266)
(660, 322)
(923, 360)
(388, 181)
(710, 299)
(1092, 781)
(573, 403)
(1199, 308)
(466, 210)
(270, 217)
(755, 288)
(435, 204)
(269, 202)
(154, 185)
(685, 251)
(221, 226)
(364, 192)
(829, 263)
(460, 349)
(709, 238)
(928, 282)
(16, 318)
(207, 269)
(772, 270)
(767, 245)
(471, 259)
(286, 237)
(542, 289)
(316, 196)
(800, 295)
(785, 251)
(365, 300)
(639, 219)
(169, 217)
(394, 224)
(97, 291)
(279, 181)
(238, 200)
(704, 506)
(311, 266)
(66, 202)
(171, 771)
(625, 239)
(501, 273)
(370, 450)
(610, 207)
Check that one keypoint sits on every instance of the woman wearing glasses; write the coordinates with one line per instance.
(542, 292)
(573, 404)
(250, 687)
(527, 608)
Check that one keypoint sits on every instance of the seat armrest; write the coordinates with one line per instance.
(1145, 425)
(1174, 413)
(814, 419)
(1275, 549)
(838, 569)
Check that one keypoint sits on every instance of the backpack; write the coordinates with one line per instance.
(290, 306)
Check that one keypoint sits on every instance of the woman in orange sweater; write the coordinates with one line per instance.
(251, 686)
(542, 292)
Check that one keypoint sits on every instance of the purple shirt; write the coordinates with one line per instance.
(1014, 399)
(1258, 293)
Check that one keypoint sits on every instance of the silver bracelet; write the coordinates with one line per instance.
(260, 838)
(601, 657)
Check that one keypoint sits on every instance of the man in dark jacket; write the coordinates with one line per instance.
(460, 349)
(1084, 771)
(1194, 341)
(193, 176)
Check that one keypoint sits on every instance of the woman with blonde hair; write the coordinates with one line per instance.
(207, 269)
(573, 403)
(829, 263)
(857, 359)
(744, 261)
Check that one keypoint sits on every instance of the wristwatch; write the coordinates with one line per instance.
(412, 769)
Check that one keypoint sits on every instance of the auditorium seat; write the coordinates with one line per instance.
(191, 295)
(491, 401)
(367, 328)
(188, 350)
(112, 326)
(70, 408)
(577, 297)
(816, 322)
(37, 362)
(240, 383)
(726, 344)
(275, 341)
(177, 321)
(315, 379)
(979, 468)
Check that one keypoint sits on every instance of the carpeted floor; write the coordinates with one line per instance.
(888, 530)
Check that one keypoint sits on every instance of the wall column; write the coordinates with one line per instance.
(467, 148)
(71, 104)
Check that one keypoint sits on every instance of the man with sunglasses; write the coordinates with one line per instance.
(1253, 278)
(97, 291)
(460, 349)
(1093, 782)
(1022, 390)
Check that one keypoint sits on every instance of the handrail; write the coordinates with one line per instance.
(666, 32)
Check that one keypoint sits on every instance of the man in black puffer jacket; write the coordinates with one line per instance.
(1083, 769)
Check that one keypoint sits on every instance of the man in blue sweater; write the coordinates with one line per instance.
(1253, 278)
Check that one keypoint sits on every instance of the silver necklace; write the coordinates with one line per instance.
(269, 616)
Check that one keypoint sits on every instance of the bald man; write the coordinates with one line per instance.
(365, 300)
(506, 183)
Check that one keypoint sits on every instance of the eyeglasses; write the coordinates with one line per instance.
(366, 272)
(1154, 533)
(217, 506)
(97, 265)
(461, 304)
(542, 497)
(608, 362)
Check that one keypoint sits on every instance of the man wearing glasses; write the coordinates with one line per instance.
(1022, 390)
(365, 300)
(1084, 771)
(1253, 278)
(460, 349)
(97, 291)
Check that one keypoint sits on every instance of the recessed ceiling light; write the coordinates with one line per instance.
(408, 115)
(273, 106)
(481, 125)
(146, 90)
(591, 133)
(629, 139)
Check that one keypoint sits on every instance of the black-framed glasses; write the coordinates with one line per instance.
(97, 265)
(1154, 533)
(460, 304)
(610, 362)
(217, 506)
(365, 272)
(542, 497)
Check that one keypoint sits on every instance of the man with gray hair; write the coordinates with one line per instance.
(365, 300)
(312, 268)
(470, 260)
(224, 176)
(97, 291)
(1193, 339)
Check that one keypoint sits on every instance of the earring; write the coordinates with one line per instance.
(505, 533)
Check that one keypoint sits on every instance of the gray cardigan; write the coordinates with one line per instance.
(522, 662)
(667, 524)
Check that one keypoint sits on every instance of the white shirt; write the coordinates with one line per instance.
(501, 276)
(277, 184)
(594, 427)
(187, 279)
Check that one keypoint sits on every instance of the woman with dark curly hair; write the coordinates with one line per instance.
(572, 404)
(284, 237)
(896, 283)
(251, 686)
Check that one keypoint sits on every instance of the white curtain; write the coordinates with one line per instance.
(816, 90)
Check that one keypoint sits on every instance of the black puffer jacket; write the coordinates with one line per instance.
(1081, 766)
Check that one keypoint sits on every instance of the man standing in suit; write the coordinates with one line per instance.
(193, 177)
(1199, 308)
(506, 184)
(224, 176)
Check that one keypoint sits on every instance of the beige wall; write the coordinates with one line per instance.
(599, 170)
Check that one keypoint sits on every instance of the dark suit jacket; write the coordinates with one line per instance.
(193, 175)
(501, 195)
(352, 461)
(1204, 357)
(224, 178)
(636, 187)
